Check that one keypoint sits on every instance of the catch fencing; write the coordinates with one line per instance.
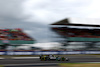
(46, 52)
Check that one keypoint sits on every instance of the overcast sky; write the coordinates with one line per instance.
(34, 16)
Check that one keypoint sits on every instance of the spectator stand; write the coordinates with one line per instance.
(72, 33)
(14, 37)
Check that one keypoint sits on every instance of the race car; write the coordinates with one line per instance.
(52, 57)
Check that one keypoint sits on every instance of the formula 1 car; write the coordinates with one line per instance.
(52, 57)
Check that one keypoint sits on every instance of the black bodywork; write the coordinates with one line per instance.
(52, 57)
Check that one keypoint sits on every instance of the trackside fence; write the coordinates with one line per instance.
(46, 52)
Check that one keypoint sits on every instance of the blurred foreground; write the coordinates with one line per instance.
(80, 65)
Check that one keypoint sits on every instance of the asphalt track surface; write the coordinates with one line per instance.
(37, 62)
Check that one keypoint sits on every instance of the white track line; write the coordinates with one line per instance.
(35, 57)
(1, 58)
(24, 57)
(30, 64)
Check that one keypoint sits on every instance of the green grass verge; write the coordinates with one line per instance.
(1, 66)
(79, 65)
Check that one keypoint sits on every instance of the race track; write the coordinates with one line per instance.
(36, 61)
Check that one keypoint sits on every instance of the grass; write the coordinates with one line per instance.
(79, 65)
(1, 66)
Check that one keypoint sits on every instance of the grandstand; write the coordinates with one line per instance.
(14, 37)
(73, 33)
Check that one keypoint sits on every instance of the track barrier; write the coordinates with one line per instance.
(46, 52)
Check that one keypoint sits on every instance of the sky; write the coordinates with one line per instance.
(34, 16)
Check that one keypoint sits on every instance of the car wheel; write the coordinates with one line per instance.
(67, 59)
(42, 59)
(63, 59)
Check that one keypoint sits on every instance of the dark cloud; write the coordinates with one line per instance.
(33, 16)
